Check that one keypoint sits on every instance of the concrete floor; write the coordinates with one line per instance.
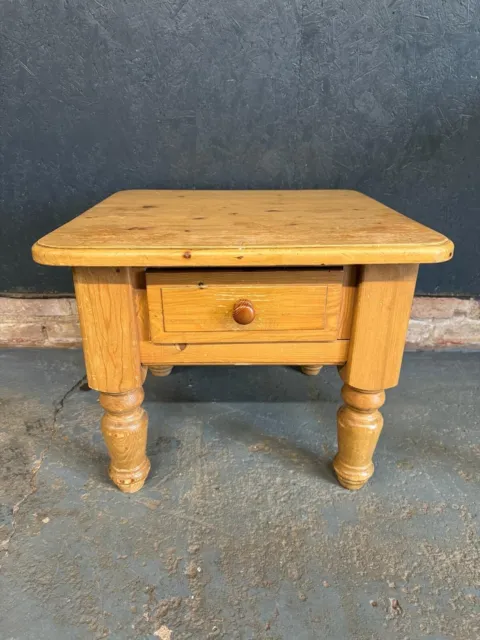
(241, 531)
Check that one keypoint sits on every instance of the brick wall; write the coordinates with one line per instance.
(444, 322)
(435, 323)
(39, 322)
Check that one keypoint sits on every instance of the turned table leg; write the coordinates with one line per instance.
(311, 369)
(359, 423)
(124, 427)
(161, 370)
(106, 306)
(382, 309)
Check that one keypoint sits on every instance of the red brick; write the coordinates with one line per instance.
(457, 332)
(420, 334)
(425, 307)
(29, 334)
(27, 308)
(64, 332)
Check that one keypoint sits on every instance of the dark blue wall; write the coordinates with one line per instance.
(377, 95)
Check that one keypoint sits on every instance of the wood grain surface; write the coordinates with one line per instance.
(240, 228)
(380, 323)
(294, 353)
(198, 306)
(311, 369)
(109, 326)
(124, 428)
(359, 423)
(349, 292)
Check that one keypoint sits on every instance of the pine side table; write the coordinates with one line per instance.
(309, 278)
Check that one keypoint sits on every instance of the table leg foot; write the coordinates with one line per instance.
(161, 370)
(311, 369)
(124, 427)
(359, 424)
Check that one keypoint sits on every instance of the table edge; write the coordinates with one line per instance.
(332, 255)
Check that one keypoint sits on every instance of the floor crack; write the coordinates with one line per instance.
(57, 407)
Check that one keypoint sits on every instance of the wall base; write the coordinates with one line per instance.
(436, 323)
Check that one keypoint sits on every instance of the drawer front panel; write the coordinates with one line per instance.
(196, 307)
(211, 309)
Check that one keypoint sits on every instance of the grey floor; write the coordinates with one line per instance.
(241, 531)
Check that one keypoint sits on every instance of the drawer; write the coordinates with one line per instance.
(189, 306)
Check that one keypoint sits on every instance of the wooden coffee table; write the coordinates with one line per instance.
(309, 278)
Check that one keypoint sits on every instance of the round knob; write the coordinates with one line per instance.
(243, 312)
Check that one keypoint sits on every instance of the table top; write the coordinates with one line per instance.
(166, 228)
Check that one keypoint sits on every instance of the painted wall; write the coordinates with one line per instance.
(377, 95)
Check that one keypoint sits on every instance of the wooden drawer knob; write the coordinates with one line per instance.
(243, 312)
